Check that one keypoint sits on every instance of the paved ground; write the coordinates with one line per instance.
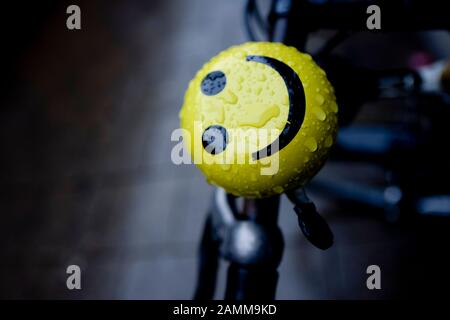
(88, 179)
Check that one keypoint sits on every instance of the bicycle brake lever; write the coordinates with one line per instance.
(313, 226)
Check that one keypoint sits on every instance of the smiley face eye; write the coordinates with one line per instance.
(215, 139)
(213, 83)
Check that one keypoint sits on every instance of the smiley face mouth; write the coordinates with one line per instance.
(297, 105)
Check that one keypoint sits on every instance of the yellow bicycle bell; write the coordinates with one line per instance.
(259, 119)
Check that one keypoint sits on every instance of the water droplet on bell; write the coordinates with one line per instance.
(239, 54)
(318, 112)
(311, 144)
(278, 189)
(320, 99)
(229, 97)
(257, 118)
(334, 107)
(328, 141)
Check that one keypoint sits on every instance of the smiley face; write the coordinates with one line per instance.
(261, 119)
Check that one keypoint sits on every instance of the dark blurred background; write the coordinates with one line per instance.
(86, 175)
